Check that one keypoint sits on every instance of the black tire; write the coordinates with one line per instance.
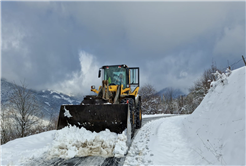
(132, 114)
(138, 116)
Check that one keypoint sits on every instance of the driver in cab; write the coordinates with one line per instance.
(121, 78)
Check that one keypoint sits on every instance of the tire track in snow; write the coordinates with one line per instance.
(140, 153)
(158, 143)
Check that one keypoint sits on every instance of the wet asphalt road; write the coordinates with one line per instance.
(89, 160)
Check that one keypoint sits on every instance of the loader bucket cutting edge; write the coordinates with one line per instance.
(95, 117)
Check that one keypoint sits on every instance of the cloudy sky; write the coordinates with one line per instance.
(61, 45)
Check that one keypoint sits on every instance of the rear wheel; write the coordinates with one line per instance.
(132, 116)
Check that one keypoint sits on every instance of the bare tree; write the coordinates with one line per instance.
(180, 101)
(170, 103)
(199, 90)
(53, 120)
(147, 90)
(52, 123)
(4, 123)
(25, 109)
(202, 85)
(150, 100)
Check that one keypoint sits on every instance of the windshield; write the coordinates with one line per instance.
(116, 75)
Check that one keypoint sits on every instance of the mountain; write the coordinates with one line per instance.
(176, 92)
(50, 101)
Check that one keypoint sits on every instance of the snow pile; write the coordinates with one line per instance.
(120, 146)
(66, 143)
(216, 129)
(72, 142)
(22, 150)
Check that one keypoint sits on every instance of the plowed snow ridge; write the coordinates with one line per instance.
(213, 134)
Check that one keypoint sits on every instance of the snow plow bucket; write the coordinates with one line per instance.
(94, 117)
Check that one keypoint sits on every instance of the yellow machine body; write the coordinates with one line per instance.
(115, 104)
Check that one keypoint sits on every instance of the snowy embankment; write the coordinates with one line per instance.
(65, 143)
(217, 127)
(213, 134)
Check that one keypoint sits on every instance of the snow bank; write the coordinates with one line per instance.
(66, 143)
(214, 134)
(72, 142)
(217, 127)
(24, 149)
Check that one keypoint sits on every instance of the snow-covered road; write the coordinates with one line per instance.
(160, 141)
(36, 149)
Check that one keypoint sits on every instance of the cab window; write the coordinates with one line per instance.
(115, 75)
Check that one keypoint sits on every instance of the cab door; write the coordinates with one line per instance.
(134, 78)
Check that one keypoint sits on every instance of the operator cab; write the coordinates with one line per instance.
(119, 75)
(116, 75)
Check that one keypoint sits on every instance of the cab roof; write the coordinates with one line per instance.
(123, 65)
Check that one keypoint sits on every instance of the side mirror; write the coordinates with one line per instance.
(99, 73)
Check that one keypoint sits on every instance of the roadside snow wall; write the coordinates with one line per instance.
(217, 126)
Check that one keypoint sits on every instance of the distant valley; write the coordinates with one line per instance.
(50, 101)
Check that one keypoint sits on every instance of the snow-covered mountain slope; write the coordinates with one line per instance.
(50, 101)
(53, 100)
(6, 90)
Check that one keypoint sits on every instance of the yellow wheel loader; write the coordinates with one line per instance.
(116, 105)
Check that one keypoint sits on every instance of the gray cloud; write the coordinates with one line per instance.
(171, 42)
(231, 43)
